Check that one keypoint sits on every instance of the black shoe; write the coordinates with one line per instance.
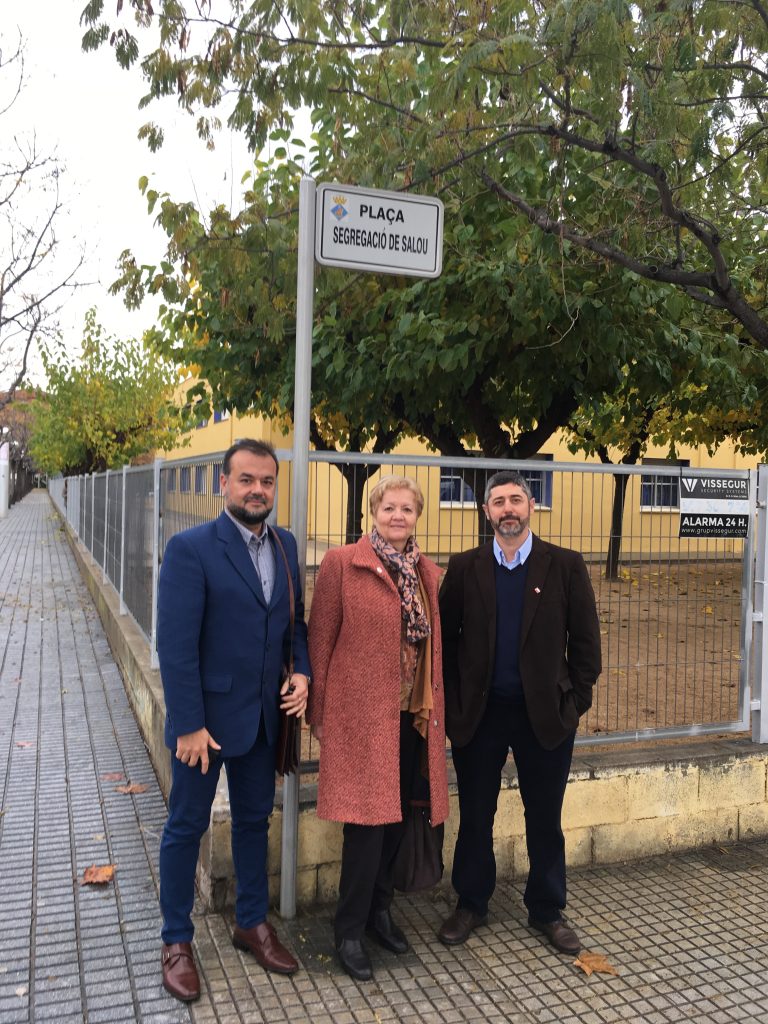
(559, 933)
(386, 933)
(456, 929)
(354, 959)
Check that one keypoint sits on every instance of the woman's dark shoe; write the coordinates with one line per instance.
(354, 959)
(386, 933)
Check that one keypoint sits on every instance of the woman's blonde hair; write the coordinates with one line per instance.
(395, 483)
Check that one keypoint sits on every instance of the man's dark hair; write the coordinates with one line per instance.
(507, 476)
(249, 444)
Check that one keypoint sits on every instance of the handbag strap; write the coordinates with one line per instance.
(291, 596)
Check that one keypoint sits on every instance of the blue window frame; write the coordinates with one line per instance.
(659, 491)
(200, 472)
(184, 479)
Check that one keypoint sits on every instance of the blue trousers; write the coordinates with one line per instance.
(542, 777)
(251, 779)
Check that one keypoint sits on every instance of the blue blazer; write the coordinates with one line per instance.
(221, 647)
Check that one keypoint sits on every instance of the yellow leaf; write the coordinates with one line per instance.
(98, 875)
(592, 963)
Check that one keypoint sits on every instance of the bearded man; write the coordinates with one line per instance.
(521, 653)
(223, 636)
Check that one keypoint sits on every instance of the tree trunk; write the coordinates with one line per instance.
(620, 482)
(356, 477)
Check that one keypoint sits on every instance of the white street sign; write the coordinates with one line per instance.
(378, 231)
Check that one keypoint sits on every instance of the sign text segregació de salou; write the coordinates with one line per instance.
(379, 231)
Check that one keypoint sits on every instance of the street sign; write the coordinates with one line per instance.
(378, 231)
(714, 506)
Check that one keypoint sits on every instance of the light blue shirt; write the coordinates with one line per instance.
(520, 555)
(262, 555)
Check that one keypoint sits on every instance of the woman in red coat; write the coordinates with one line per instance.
(376, 706)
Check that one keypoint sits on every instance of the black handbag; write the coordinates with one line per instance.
(289, 737)
(418, 863)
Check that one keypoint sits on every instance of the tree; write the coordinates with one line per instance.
(699, 392)
(586, 152)
(32, 284)
(650, 117)
(15, 428)
(110, 407)
(490, 355)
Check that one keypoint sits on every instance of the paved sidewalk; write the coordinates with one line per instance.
(687, 934)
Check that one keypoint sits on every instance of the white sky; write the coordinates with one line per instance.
(84, 108)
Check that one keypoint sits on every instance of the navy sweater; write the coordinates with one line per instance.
(510, 589)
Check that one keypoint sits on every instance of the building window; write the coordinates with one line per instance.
(540, 482)
(661, 491)
(200, 479)
(455, 492)
(220, 415)
(170, 480)
(184, 479)
(201, 424)
(216, 479)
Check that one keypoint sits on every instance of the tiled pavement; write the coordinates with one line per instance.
(687, 934)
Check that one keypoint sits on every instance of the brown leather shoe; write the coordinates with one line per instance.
(460, 925)
(262, 941)
(179, 972)
(559, 933)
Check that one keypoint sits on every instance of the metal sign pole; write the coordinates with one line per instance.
(305, 297)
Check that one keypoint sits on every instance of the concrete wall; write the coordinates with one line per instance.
(622, 803)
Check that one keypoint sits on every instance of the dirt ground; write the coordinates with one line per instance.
(671, 647)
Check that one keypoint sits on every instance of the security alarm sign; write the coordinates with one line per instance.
(714, 506)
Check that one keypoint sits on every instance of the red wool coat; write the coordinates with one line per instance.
(354, 648)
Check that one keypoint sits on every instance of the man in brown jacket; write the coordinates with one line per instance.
(521, 653)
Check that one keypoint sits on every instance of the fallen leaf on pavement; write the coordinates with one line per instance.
(112, 776)
(22, 991)
(133, 787)
(23, 743)
(98, 875)
(592, 963)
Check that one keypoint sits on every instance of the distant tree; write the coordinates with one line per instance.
(112, 405)
(32, 282)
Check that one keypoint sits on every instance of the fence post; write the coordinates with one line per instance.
(93, 511)
(154, 660)
(759, 702)
(104, 576)
(123, 609)
(746, 629)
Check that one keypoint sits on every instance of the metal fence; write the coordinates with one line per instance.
(675, 613)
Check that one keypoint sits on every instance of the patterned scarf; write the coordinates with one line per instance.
(404, 563)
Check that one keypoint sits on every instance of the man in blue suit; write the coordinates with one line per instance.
(223, 636)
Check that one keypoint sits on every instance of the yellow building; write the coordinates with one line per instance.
(573, 506)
